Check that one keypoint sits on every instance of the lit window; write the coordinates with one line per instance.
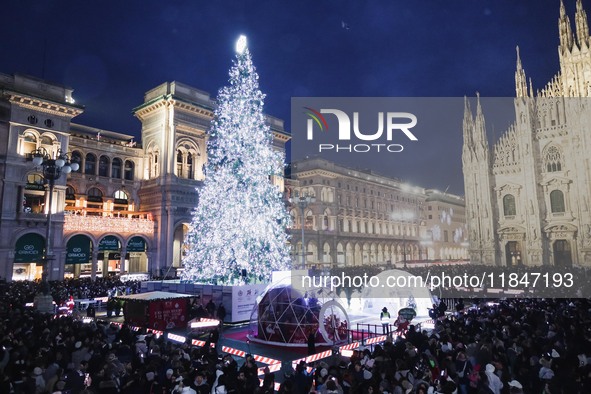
(120, 195)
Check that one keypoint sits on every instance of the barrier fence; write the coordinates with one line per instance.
(364, 335)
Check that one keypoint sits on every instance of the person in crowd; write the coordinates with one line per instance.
(221, 313)
(311, 342)
(385, 319)
(401, 324)
(210, 308)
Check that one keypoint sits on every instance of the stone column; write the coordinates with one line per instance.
(94, 263)
(122, 259)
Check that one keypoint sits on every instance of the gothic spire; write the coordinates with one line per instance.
(468, 129)
(566, 34)
(520, 80)
(582, 26)
(468, 123)
(480, 126)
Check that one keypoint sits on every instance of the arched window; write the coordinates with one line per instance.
(70, 196)
(116, 168)
(95, 194)
(509, 205)
(29, 143)
(553, 159)
(47, 141)
(70, 192)
(120, 195)
(557, 201)
(104, 166)
(179, 163)
(129, 166)
(154, 172)
(309, 222)
(120, 201)
(90, 164)
(77, 158)
(190, 174)
(35, 179)
(294, 219)
(94, 201)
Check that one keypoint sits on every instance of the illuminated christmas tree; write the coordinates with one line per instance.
(238, 234)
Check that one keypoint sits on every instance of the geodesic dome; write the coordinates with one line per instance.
(285, 316)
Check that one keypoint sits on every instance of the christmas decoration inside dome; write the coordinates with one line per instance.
(286, 316)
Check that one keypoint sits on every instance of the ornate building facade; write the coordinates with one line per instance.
(446, 229)
(527, 196)
(362, 218)
(127, 208)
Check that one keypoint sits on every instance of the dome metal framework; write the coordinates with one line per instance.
(285, 316)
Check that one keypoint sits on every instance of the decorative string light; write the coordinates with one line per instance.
(103, 224)
(238, 231)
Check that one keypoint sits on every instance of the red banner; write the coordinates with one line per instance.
(168, 314)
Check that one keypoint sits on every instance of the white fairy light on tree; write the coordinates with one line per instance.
(238, 234)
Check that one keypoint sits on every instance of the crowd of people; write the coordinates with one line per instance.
(502, 347)
(42, 353)
(23, 292)
(513, 346)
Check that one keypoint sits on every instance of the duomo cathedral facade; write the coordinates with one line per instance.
(528, 195)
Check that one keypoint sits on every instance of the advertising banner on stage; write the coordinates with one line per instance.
(243, 300)
(168, 314)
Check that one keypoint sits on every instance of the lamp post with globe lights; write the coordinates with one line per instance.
(302, 201)
(53, 166)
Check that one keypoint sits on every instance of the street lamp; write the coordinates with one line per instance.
(403, 217)
(53, 167)
(302, 201)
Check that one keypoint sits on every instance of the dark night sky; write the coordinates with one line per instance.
(111, 52)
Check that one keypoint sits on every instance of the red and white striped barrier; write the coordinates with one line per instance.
(312, 358)
(350, 346)
(176, 338)
(272, 368)
(265, 360)
(235, 352)
(371, 341)
(200, 343)
(155, 332)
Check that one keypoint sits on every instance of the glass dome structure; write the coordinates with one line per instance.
(286, 316)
